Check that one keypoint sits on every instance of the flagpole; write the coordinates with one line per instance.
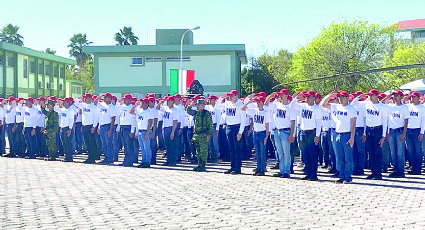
(181, 86)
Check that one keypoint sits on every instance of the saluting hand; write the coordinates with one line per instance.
(316, 140)
(350, 142)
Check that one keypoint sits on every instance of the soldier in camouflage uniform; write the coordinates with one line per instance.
(52, 126)
(202, 132)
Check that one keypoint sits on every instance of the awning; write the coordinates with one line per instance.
(418, 85)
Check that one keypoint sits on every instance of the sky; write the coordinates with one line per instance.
(263, 26)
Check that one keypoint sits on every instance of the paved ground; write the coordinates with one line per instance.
(36, 194)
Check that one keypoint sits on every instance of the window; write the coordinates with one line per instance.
(40, 68)
(76, 89)
(40, 85)
(25, 67)
(60, 86)
(48, 69)
(62, 72)
(137, 61)
(11, 61)
(178, 58)
(56, 71)
(1, 58)
(152, 59)
(32, 67)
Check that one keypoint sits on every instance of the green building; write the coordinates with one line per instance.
(26, 72)
(142, 69)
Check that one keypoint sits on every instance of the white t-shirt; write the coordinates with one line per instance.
(417, 117)
(360, 121)
(259, 118)
(106, 111)
(30, 116)
(10, 114)
(376, 114)
(397, 115)
(142, 118)
(20, 113)
(310, 116)
(282, 115)
(326, 119)
(169, 116)
(66, 117)
(341, 115)
(234, 115)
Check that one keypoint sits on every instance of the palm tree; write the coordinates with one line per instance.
(50, 51)
(10, 34)
(78, 41)
(125, 37)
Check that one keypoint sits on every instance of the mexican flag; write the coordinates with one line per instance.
(180, 84)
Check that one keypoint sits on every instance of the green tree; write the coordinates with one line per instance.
(342, 48)
(276, 65)
(404, 55)
(78, 41)
(84, 74)
(125, 37)
(255, 79)
(50, 51)
(9, 34)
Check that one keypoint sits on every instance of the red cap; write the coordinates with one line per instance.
(351, 97)
(11, 98)
(196, 96)
(20, 99)
(398, 92)
(290, 97)
(342, 93)
(87, 95)
(144, 99)
(213, 97)
(1, 99)
(283, 91)
(260, 98)
(373, 92)
(114, 97)
(177, 96)
(30, 99)
(127, 96)
(317, 95)
(94, 97)
(134, 98)
(263, 94)
(107, 94)
(233, 92)
(310, 93)
(415, 94)
(150, 98)
(51, 98)
(69, 100)
(41, 98)
(357, 93)
(169, 98)
(243, 99)
(381, 96)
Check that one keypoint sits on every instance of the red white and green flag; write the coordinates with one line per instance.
(179, 83)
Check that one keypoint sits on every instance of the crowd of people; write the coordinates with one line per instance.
(343, 133)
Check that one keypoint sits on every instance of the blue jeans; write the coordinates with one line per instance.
(223, 142)
(213, 145)
(359, 153)
(129, 153)
(397, 148)
(136, 148)
(160, 136)
(90, 142)
(20, 141)
(41, 146)
(30, 141)
(3, 139)
(310, 151)
(325, 142)
(373, 136)
(344, 156)
(66, 143)
(115, 143)
(414, 146)
(107, 145)
(154, 148)
(386, 153)
(283, 148)
(170, 144)
(78, 137)
(235, 147)
(260, 150)
(145, 147)
(332, 152)
(12, 138)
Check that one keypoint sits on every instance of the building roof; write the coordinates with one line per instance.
(412, 24)
(35, 53)
(239, 48)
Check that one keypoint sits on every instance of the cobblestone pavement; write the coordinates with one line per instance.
(37, 194)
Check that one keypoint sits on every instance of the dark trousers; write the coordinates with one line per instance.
(160, 136)
(171, 145)
(359, 152)
(247, 143)
(191, 148)
(310, 152)
(325, 143)
(185, 143)
(129, 153)
(20, 141)
(66, 143)
(373, 149)
(414, 146)
(30, 140)
(78, 137)
(2, 139)
(59, 145)
(135, 142)
(98, 143)
(90, 142)
(235, 147)
(41, 146)
(12, 139)
(223, 142)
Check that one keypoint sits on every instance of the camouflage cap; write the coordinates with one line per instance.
(201, 102)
